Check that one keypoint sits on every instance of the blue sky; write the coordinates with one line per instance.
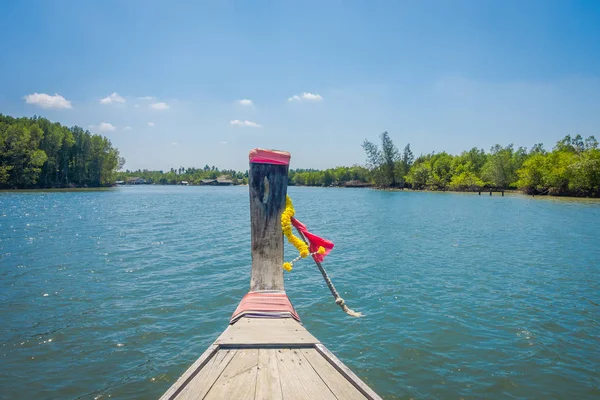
(442, 75)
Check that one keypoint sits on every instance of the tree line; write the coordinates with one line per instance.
(191, 175)
(301, 177)
(36, 153)
(571, 168)
(338, 176)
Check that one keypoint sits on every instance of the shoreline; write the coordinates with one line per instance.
(98, 189)
(495, 193)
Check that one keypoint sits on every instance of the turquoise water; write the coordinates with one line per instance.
(115, 293)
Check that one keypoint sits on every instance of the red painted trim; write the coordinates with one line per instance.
(266, 305)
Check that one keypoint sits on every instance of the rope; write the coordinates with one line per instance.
(338, 299)
(288, 265)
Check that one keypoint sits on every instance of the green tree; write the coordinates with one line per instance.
(441, 171)
(466, 181)
(531, 174)
(21, 159)
(420, 173)
(538, 148)
(390, 156)
(383, 163)
(374, 161)
(584, 174)
(500, 169)
(591, 143)
(407, 158)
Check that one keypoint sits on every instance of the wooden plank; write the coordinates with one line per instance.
(268, 187)
(238, 380)
(268, 385)
(200, 385)
(345, 371)
(266, 331)
(337, 383)
(299, 381)
(190, 373)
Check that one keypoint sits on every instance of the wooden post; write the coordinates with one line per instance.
(267, 180)
(502, 193)
(490, 192)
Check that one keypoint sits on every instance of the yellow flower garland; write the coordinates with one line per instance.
(286, 227)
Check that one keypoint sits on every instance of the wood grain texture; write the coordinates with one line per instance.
(266, 331)
(347, 372)
(238, 380)
(299, 381)
(337, 383)
(190, 373)
(268, 187)
(268, 385)
(200, 385)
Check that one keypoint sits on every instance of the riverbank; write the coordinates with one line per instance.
(98, 189)
(484, 192)
(495, 192)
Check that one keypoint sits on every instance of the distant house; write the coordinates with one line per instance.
(358, 184)
(224, 181)
(220, 181)
(135, 180)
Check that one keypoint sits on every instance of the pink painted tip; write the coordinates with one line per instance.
(263, 156)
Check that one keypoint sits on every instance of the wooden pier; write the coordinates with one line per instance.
(265, 352)
(491, 190)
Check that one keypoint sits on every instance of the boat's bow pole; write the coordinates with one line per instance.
(268, 181)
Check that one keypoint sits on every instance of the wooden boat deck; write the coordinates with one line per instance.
(262, 358)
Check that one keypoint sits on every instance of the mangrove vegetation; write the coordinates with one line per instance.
(37, 153)
(571, 168)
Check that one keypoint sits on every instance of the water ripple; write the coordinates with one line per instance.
(115, 293)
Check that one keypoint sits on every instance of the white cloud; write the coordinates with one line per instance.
(103, 127)
(147, 98)
(245, 123)
(113, 98)
(137, 106)
(151, 124)
(46, 101)
(222, 142)
(306, 96)
(159, 106)
(246, 102)
(127, 128)
(174, 143)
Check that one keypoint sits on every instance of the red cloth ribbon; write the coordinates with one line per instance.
(314, 241)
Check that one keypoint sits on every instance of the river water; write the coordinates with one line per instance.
(113, 294)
